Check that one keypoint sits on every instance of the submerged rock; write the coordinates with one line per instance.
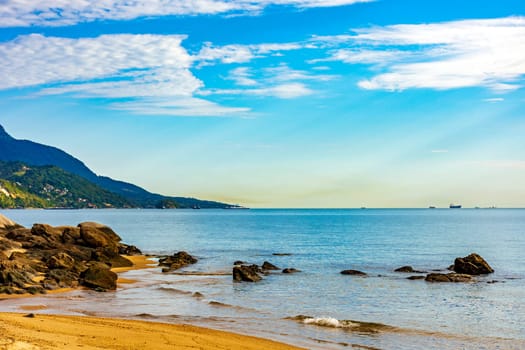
(416, 278)
(407, 269)
(246, 273)
(472, 264)
(291, 270)
(353, 273)
(448, 277)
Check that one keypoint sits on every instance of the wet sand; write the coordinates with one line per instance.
(20, 332)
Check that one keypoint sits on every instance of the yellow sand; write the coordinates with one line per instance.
(71, 332)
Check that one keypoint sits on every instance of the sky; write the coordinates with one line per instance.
(277, 103)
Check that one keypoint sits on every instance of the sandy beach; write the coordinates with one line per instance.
(19, 332)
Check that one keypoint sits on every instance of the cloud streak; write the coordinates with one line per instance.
(486, 53)
(25, 13)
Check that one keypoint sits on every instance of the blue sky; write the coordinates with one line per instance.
(277, 103)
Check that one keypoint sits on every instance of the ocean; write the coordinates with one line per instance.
(317, 308)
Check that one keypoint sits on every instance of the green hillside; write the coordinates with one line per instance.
(51, 187)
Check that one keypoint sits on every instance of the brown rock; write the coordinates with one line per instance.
(246, 273)
(472, 265)
(99, 276)
(112, 235)
(353, 273)
(449, 277)
(60, 261)
(269, 266)
(177, 261)
(290, 270)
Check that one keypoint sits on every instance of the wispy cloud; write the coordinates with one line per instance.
(24, 13)
(282, 91)
(494, 99)
(487, 53)
(439, 151)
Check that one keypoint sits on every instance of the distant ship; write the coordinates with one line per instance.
(432, 207)
(455, 206)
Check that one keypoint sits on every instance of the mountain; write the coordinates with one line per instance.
(36, 154)
(49, 186)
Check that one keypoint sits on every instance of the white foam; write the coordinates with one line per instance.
(324, 322)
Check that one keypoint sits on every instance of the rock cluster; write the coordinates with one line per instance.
(34, 260)
(176, 261)
(463, 270)
(253, 273)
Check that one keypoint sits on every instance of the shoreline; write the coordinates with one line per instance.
(40, 331)
(49, 331)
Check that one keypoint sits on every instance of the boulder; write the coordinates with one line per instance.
(113, 236)
(472, 264)
(95, 238)
(353, 273)
(60, 261)
(60, 278)
(13, 274)
(238, 262)
(177, 261)
(448, 277)
(71, 235)
(420, 277)
(99, 276)
(246, 273)
(290, 270)
(125, 249)
(269, 266)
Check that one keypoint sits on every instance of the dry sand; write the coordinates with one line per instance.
(88, 333)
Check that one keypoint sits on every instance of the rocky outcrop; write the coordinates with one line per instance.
(472, 264)
(6, 223)
(176, 261)
(353, 273)
(43, 257)
(290, 270)
(448, 277)
(246, 273)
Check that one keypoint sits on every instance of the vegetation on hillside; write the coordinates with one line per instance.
(51, 187)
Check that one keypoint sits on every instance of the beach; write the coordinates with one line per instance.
(20, 332)
(32, 331)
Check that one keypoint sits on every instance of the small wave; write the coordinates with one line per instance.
(174, 291)
(331, 322)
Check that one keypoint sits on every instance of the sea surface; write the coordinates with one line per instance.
(334, 308)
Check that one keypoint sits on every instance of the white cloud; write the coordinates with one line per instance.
(439, 151)
(494, 99)
(488, 53)
(180, 106)
(282, 91)
(23, 13)
(241, 76)
(150, 72)
(228, 54)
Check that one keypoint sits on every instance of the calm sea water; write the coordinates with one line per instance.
(478, 315)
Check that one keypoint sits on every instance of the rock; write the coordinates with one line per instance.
(449, 277)
(246, 273)
(71, 235)
(60, 261)
(95, 238)
(177, 261)
(130, 250)
(472, 265)
(290, 270)
(282, 254)
(269, 266)
(60, 278)
(416, 277)
(407, 269)
(13, 274)
(353, 273)
(6, 223)
(99, 276)
(112, 235)
(238, 262)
